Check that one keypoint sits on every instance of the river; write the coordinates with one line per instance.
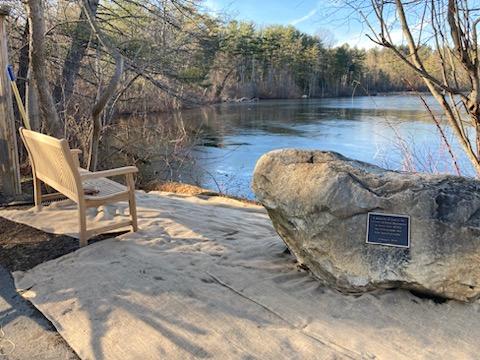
(392, 131)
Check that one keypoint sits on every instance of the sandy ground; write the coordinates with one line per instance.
(209, 278)
(24, 332)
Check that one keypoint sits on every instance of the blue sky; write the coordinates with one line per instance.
(310, 16)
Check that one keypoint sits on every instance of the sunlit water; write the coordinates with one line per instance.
(391, 131)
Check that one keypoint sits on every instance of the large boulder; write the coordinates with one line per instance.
(318, 202)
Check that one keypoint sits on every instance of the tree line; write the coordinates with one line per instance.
(282, 62)
(190, 57)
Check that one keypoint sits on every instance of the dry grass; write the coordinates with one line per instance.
(187, 189)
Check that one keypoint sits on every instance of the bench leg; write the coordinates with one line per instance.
(37, 193)
(83, 225)
(132, 202)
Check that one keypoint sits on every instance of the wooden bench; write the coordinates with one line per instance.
(55, 164)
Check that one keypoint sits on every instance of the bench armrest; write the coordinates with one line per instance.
(108, 173)
(75, 153)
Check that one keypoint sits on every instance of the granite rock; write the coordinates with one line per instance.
(319, 203)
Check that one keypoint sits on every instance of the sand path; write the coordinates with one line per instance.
(209, 278)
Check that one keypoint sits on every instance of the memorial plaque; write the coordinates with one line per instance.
(388, 229)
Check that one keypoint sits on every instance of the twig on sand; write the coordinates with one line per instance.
(344, 351)
(4, 339)
(220, 282)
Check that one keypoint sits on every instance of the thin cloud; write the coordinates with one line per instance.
(304, 18)
(211, 6)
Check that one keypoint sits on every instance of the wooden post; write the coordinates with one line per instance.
(9, 166)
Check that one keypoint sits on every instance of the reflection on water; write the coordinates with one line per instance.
(390, 131)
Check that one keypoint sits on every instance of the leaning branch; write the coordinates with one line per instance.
(108, 92)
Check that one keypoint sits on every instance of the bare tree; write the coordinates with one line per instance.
(35, 9)
(104, 94)
(80, 38)
(450, 27)
(39, 66)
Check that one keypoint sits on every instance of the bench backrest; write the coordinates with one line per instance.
(52, 162)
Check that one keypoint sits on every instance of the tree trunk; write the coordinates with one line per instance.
(80, 39)
(219, 89)
(106, 93)
(23, 63)
(37, 59)
(31, 103)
